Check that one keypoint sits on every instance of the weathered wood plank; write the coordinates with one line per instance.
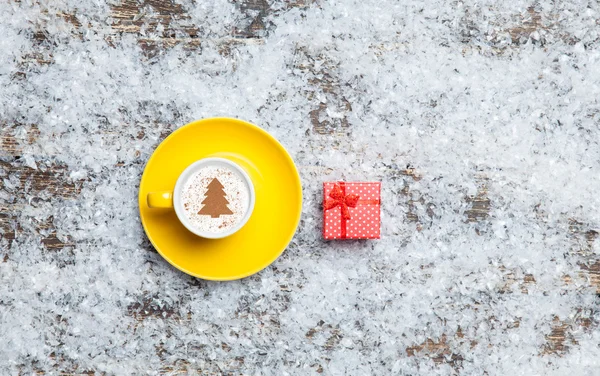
(52, 179)
(564, 334)
(439, 351)
(24, 185)
(583, 237)
(331, 332)
(513, 278)
(591, 271)
(14, 137)
(329, 117)
(10, 229)
(531, 23)
(166, 18)
(150, 306)
(479, 203)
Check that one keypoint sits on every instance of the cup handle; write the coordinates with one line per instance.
(160, 199)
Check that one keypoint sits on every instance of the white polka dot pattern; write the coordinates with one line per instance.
(365, 217)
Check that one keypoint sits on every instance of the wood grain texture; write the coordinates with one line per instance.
(565, 334)
(151, 307)
(322, 76)
(14, 137)
(160, 25)
(440, 350)
(583, 237)
(50, 178)
(530, 24)
(26, 186)
(479, 206)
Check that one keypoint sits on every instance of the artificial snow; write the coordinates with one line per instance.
(460, 93)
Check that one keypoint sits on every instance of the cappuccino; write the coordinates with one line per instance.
(215, 199)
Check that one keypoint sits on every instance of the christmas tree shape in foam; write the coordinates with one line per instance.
(215, 203)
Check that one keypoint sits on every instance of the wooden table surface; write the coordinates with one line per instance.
(50, 179)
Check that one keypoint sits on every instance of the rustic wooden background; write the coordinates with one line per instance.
(49, 179)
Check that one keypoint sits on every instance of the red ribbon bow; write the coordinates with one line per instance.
(344, 201)
(338, 197)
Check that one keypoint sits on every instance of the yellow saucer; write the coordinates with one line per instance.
(274, 219)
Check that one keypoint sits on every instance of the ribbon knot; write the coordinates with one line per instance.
(344, 201)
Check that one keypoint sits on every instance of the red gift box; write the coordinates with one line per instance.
(351, 210)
